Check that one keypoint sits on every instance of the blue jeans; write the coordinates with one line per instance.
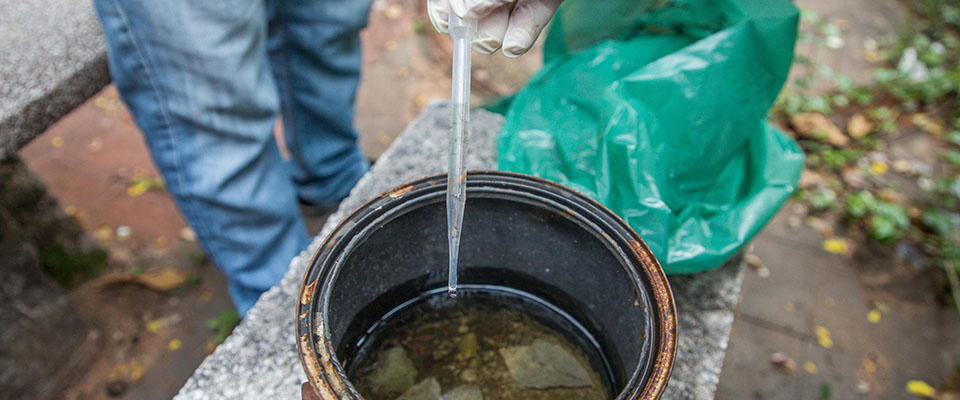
(205, 81)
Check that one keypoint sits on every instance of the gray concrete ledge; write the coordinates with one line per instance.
(259, 361)
(53, 59)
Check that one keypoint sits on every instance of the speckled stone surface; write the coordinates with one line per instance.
(259, 361)
(53, 58)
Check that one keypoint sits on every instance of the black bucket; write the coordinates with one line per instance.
(519, 232)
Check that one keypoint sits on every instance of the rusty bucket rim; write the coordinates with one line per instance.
(327, 377)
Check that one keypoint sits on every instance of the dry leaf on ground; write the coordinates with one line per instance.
(859, 126)
(161, 280)
(818, 127)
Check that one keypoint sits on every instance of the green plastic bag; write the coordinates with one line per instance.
(657, 109)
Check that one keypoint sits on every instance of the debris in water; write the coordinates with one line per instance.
(395, 373)
(464, 392)
(428, 389)
(544, 365)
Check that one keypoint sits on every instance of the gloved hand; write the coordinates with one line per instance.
(511, 24)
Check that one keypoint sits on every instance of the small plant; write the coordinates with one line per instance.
(886, 222)
(222, 325)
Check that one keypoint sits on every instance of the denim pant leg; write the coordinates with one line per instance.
(196, 76)
(315, 52)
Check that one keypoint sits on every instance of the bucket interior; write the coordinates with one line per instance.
(547, 250)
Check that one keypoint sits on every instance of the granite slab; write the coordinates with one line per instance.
(259, 360)
(53, 58)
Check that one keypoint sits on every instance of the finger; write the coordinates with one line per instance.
(476, 8)
(439, 12)
(490, 30)
(527, 20)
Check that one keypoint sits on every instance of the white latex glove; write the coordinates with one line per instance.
(513, 25)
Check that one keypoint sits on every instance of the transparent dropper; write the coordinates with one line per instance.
(462, 32)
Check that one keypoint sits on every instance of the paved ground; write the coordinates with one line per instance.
(90, 159)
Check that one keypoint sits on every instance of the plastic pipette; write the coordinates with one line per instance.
(462, 32)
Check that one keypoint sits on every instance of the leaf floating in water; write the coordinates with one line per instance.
(544, 365)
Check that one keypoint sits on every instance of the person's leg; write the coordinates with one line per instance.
(195, 76)
(316, 57)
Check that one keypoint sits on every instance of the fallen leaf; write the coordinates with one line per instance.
(161, 280)
(829, 302)
(421, 100)
(892, 196)
(930, 125)
(823, 337)
(156, 325)
(56, 142)
(878, 168)
(789, 307)
(810, 367)
(138, 188)
(206, 293)
(820, 225)
(873, 316)
(783, 362)
(836, 245)
(818, 127)
(921, 388)
(902, 166)
(859, 126)
(104, 233)
(131, 371)
(174, 344)
(869, 366)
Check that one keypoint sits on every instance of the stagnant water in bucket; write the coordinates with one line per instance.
(489, 342)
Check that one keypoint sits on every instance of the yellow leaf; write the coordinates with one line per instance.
(810, 367)
(873, 316)
(56, 142)
(823, 337)
(836, 245)
(869, 366)
(174, 344)
(104, 233)
(162, 279)
(879, 168)
(920, 388)
(138, 188)
(923, 121)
